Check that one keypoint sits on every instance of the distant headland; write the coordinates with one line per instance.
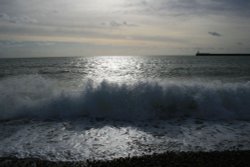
(222, 54)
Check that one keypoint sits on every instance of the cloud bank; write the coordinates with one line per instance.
(111, 27)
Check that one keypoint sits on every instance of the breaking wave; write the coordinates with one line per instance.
(36, 97)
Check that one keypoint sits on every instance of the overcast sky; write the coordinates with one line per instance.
(33, 28)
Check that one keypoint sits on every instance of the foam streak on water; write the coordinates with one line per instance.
(90, 139)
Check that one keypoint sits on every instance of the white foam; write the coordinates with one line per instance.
(36, 97)
(88, 139)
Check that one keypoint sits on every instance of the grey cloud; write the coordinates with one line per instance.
(116, 24)
(9, 44)
(216, 34)
(14, 19)
(191, 7)
(159, 39)
(222, 7)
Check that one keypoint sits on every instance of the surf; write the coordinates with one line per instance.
(37, 97)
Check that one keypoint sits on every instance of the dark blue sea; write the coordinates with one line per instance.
(106, 107)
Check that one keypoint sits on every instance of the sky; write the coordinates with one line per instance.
(51, 28)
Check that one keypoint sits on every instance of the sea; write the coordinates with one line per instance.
(107, 107)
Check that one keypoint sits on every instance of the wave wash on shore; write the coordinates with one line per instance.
(34, 96)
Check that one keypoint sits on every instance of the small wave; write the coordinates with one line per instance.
(33, 96)
(54, 72)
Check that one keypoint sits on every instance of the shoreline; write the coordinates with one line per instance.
(170, 159)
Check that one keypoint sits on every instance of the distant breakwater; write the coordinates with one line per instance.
(223, 54)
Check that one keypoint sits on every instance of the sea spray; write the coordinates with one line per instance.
(34, 96)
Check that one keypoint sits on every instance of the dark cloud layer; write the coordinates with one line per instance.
(194, 7)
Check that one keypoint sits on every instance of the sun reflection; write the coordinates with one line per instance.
(120, 69)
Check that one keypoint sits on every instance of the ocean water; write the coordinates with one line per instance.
(107, 107)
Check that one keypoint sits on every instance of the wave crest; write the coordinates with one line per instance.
(37, 97)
